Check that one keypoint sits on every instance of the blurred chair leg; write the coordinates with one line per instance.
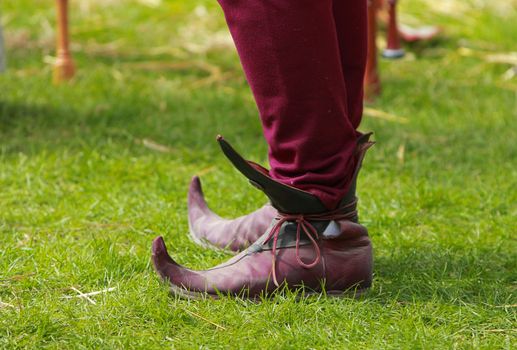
(393, 49)
(372, 83)
(64, 67)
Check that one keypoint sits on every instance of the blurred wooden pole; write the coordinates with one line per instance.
(393, 48)
(372, 83)
(64, 66)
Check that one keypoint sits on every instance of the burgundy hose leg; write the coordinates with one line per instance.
(291, 56)
(351, 21)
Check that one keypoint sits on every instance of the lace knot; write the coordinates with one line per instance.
(302, 221)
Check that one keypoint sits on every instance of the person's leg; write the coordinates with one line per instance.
(290, 54)
(351, 21)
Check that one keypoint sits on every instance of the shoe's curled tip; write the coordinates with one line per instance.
(160, 256)
(195, 183)
(159, 246)
(197, 206)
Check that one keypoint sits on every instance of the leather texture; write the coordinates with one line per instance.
(345, 264)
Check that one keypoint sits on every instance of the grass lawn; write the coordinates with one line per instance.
(93, 170)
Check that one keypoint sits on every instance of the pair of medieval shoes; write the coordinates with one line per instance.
(293, 242)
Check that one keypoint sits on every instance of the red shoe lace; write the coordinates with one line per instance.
(303, 223)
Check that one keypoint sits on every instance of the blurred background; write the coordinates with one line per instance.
(93, 168)
(161, 54)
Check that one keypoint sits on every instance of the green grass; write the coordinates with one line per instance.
(82, 197)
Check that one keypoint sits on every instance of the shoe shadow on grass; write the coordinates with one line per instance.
(447, 274)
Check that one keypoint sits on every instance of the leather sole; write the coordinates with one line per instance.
(190, 295)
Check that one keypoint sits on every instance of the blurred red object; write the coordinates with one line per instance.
(410, 34)
(395, 32)
(393, 48)
(372, 84)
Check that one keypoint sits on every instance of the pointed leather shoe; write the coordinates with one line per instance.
(211, 231)
(305, 246)
(214, 232)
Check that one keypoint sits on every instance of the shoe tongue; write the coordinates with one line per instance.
(284, 198)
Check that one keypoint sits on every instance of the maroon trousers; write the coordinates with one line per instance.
(305, 62)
